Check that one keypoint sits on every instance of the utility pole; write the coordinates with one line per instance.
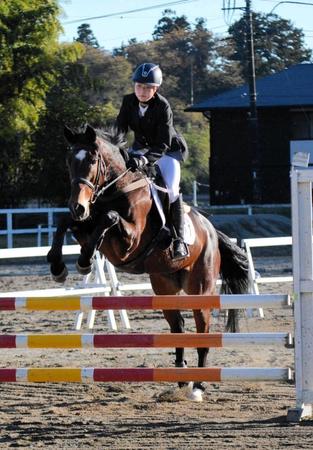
(253, 134)
(191, 81)
(254, 145)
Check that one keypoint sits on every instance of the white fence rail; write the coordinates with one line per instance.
(249, 244)
(48, 227)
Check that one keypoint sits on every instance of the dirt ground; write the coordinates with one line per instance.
(120, 416)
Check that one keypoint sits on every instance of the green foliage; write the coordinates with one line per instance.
(45, 84)
(277, 44)
(86, 36)
(29, 32)
(197, 165)
(30, 57)
(88, 91)
(170, 23)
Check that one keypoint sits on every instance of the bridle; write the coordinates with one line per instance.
(97, 191)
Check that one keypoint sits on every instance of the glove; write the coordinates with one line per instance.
(136, 162)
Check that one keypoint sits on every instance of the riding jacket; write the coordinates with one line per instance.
(154, 130)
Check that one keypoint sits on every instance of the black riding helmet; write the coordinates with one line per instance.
(148, 73)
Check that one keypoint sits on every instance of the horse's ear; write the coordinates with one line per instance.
(90, 134)
(69, 135)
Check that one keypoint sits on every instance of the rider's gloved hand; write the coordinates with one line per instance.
(136, 162)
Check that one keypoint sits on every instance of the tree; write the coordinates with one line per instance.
(30, 56)
(197, 165)
(170, 23)
(195, 64)
(277, 44)
(86, 36)
(88, 91)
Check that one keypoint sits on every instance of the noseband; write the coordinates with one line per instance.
(95, 187)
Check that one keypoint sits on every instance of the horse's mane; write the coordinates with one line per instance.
(115, 143)
(113, 136)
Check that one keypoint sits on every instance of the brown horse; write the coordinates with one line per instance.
(112, 210)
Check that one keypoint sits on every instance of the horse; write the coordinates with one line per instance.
(112, 211)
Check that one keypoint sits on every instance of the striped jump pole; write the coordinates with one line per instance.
(90, 375)
(170, 302)
(199, 340)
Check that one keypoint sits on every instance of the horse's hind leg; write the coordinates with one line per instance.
(176, 323)
(162, 284)
(202, 281)
(202, 320)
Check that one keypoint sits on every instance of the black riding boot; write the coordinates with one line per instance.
(180, 249)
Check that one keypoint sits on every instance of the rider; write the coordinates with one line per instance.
(150, 117)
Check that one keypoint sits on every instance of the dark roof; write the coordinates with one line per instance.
(291, 87)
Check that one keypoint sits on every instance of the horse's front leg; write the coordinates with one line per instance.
(58, 268)
(88, 249)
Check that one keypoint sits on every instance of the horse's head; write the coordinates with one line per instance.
(84, 166)
(94, 160)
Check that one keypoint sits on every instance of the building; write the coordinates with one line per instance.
(285, 126)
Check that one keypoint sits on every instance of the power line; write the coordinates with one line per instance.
(290, 2)
(229, 7)
(178, 2)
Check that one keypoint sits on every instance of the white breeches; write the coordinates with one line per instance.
(170, 170)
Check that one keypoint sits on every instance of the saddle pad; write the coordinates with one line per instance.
(189, 230)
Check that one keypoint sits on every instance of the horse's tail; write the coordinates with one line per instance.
(234, 274)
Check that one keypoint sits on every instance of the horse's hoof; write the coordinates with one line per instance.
(193, 394)
(196, 395)
(83, 270)
(61, 277)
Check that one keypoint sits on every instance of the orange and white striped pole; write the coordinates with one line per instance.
(76, 303)
(90, 375)
(188, 340)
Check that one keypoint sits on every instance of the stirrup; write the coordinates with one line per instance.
(181, 253)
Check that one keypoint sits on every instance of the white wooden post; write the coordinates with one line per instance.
(116, 291)
(100, 279)
(99, 262)
(301, 194)
(253, 288)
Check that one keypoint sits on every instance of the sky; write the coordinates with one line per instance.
(112, 31)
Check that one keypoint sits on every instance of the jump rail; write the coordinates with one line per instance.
(144, 302)
(144, 340)
(90, 375)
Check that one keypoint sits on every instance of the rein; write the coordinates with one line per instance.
(97, 191)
